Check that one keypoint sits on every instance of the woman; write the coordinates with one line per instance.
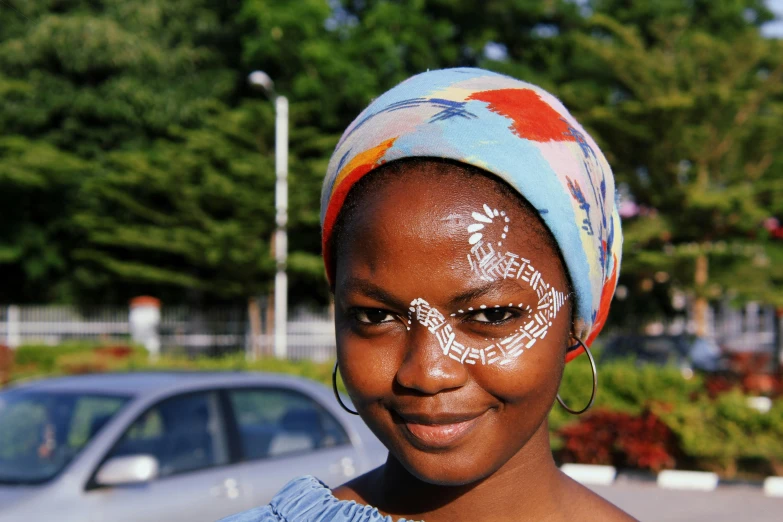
(472, 243)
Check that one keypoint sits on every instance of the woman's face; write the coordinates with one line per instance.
(452, 321)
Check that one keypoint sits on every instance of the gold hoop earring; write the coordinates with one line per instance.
(595, 382)
(337, 394)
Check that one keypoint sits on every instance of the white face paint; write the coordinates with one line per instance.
(490, 228)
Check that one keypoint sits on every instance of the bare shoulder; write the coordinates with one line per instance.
(358, 489)
(589, 506)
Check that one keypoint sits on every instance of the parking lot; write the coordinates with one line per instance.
(647, 502)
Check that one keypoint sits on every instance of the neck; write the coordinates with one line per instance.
(525, 486)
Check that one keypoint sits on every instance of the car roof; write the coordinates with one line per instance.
(138, 384)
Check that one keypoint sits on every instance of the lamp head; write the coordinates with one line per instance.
(261, 80)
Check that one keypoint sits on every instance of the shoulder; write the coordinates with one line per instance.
(590, 506)
(601, 510)
(360, 488)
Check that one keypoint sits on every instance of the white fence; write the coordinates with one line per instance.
(213, 331)
(310, 332)
(750, 328)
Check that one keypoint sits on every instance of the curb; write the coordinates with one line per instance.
(590, 474)
(594, 475)
(688, 480)
(773, 486)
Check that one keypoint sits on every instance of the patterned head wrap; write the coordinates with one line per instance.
(511, 129)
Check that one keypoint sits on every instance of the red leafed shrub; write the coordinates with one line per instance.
(744, 363)
(6, 362)
(714, 385)
(621, 440)
(116, 352)
(762, 384)
(750, 372)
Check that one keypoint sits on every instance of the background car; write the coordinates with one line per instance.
(688, 353)
(169, 446)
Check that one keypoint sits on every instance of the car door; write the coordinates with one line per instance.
(186, 434)
(284, 433)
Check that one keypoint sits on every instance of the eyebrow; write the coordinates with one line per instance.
(373, 291)
(490, 287)
(370, 289)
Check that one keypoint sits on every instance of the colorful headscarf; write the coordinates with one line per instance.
(509, 128)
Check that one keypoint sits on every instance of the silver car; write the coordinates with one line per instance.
(169, 446)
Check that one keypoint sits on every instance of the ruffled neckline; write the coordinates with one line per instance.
(308, 499)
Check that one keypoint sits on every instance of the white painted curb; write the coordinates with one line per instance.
(760, 404)
(692, 480)
(773, 486)
(590, 474)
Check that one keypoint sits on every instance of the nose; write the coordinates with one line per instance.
(425, 368)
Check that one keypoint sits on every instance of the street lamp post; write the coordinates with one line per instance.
(260, 80)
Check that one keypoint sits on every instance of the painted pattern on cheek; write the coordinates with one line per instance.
(490, 265)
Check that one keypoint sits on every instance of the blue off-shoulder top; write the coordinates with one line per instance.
(307, 499)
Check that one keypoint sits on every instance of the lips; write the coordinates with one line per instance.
(439, 431)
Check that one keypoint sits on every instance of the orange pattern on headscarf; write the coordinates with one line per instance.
(350, 174)
(533, 118)
(603, 311)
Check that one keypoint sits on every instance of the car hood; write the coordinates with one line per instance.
(12, 495)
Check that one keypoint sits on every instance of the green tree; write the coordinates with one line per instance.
(37, 190)
(135, 158)
(688, 107)
(114, 108)
(194, 212)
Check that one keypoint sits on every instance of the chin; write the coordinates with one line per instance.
(446, 469)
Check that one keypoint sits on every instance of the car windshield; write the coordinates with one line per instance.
(41, 432)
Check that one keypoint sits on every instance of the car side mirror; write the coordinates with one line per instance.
(123, 471)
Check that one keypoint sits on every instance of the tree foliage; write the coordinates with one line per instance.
(134, 158)
(692, 123)
(130, 164)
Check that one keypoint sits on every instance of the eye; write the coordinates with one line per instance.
(372, 316)
(493, 315)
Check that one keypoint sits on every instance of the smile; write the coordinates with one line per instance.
(439, 431)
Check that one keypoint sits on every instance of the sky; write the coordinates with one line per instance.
(775, 29)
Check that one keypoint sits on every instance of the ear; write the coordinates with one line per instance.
(579, 328)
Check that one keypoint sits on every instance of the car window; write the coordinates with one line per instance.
(274, 422)
(184, 433)
(41, 432)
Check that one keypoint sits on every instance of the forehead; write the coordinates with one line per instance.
(433, 182)
(425, 220)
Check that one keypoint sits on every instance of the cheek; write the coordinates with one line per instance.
(368, 366)
(533, 376)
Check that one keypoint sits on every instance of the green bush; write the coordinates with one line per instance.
(33, 361)
(45, 358)
(721, 434)
(622, 387)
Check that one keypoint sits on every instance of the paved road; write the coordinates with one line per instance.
(649, 503)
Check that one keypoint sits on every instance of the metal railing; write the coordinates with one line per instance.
(310, 332)
(210, 331)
